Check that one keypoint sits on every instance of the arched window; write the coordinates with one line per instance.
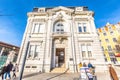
(59, 27)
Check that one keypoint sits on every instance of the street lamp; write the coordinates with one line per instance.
(24, 60)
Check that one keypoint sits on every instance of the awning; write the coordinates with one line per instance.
(117, 55)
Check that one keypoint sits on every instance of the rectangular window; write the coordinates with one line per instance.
(109, 48)
(83, 49)
(89, 49)
(89, 54)
(117, 47)
(31, 50)
(37, 51)
(104, 34)
(36, 28)
(106, 40)
(84, 28)
(111, 33)
(114, 40)
(83, 54)
(80, 29)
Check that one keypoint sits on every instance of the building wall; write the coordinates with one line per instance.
(8, 53)
(106, 35)
(59, 28)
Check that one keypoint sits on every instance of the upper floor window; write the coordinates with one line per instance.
(109, 48)
(59, 27)
(106, 40)
(104, 34)
(82, 27)
(36, 28)
(34, 50)
(111, 33)
(114, 40)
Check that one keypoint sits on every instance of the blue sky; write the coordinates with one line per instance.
(14, 14)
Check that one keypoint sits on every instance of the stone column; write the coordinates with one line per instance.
(3, 48)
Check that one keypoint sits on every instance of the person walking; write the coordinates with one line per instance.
(15, 69)
(84, 64)
(3, 71)
(112, 72)
(8, 70)
(80, 65)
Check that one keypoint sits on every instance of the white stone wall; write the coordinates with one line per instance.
(74, 38)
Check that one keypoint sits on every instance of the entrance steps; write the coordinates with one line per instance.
(59, 70)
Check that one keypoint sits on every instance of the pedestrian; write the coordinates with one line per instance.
(112, 72)
(90, 65)
(8, 70)
(3, 71)
(91, 68)
(80, 65)
(84, 64)
(15, 69)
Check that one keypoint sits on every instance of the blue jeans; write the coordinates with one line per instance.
(6, 74)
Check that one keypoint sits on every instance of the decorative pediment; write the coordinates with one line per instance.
(60, 8)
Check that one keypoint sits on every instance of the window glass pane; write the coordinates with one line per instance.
(83, 54)
(84, 28)
(106, 40)
(114, 40)
(31, 50)
(89, 54)
(36, 28)
(83, 47)
(80, 29)
(111, 33)
(89, 47)
(104, 34)
(109, 48)
(37, 51)
(59, 28)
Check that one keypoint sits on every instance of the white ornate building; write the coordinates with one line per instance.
(60, 37)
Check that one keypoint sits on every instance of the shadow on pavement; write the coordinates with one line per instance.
(29, 75)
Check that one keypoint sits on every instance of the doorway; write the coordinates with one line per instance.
(60, 57)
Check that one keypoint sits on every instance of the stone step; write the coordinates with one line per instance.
(60, 70)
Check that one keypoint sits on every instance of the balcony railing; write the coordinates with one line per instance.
(60, 34)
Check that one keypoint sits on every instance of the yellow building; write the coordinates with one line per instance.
(108, 36)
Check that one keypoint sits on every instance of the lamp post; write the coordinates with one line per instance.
(24, 60)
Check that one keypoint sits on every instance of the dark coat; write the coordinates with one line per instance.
(9, 67)
(3, 70)
(113, 74)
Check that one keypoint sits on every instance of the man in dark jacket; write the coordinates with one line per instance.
(8, 69)
(3, 71)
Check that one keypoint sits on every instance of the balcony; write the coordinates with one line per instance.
(60, 34)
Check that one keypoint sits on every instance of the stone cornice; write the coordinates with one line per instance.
(89, 13)
(81, 19)
(33, 14)
(60, 8)
(39, 20)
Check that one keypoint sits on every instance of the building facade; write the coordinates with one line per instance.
(8, 53)
(109, 35)
(60, 37)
